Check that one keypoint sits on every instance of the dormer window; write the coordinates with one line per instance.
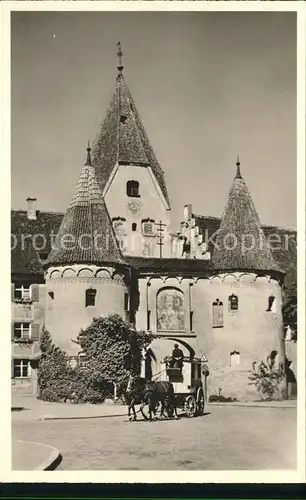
(233, 302)
(132, 189)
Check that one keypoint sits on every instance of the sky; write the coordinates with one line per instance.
(207, 85)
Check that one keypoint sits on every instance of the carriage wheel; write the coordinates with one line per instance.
(200, 401)
(190, 406)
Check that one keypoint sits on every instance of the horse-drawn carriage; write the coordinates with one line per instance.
(178, 385)
(187, 383)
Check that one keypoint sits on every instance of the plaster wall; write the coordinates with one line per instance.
(151, 204)
(251, 331)
(66, 313)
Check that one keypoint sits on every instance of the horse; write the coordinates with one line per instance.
(142, 391)
(162, 392)
(135, 393)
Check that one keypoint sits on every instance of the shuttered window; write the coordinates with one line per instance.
(217, 314)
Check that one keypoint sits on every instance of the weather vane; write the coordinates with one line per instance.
(119, 54)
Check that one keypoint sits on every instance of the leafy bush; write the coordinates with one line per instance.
(266, 376)
(218, 398)
(112, 349)
(215, 398)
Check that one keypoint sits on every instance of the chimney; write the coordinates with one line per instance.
(31, 208)
(187, 212)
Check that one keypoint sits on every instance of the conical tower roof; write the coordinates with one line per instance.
(86, 234)
(123, 139)
(241, 243)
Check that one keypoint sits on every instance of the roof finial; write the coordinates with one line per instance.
(238, 173)
(119, 54)
(88, 159)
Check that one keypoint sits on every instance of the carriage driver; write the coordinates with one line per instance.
(177, 357)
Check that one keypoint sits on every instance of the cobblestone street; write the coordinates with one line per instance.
(225, 438)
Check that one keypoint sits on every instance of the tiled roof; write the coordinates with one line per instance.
(122, 138)
(86, 234)
(284, 254)
(31, 240)
(168, 265)
(241, 243)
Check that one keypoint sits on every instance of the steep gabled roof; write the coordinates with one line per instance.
(241, 243)
(31, 241)
(86, 234)
(123, 139)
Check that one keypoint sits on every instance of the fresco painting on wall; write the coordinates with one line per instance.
(170, 310)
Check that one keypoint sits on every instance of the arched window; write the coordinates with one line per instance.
(217, 310)
(170, 310)
(134, 226)
(271, 304)
(233, 302)
(132, 188)
(90, 297)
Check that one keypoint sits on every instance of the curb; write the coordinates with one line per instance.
(51, 462)
(82, 417)
(254, 405)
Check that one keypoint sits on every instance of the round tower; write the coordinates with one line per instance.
(245, 293)
(85, 273)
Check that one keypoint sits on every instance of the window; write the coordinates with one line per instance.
(134, 226)
(22, 292)
(233, 302)
(51, 294)
(132, 188)
(83, 362)
(43, 255)
(22, 368)
(22, 331)
(126, 301)
(148, 320)
(191, 320)
(234, 358)
(217, 310)
(271, 304)
(90, 297)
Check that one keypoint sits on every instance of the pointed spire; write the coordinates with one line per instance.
(241, 244)
(122, 138)
(86, 225)
(120, 65)
(238, 173)
(88, 159)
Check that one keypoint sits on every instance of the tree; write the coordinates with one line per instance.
(54, 373)
(267, 376)
(112, 348)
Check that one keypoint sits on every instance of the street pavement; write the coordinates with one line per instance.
(227, 437)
